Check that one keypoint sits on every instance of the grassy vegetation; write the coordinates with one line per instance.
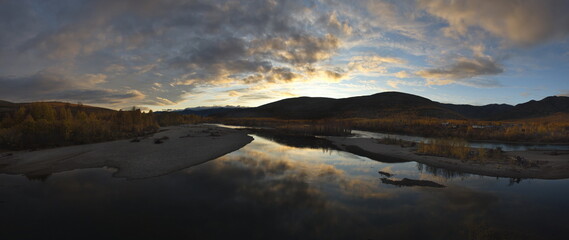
(553, 129)
(457, 148)
(296, 127)
(39, 125)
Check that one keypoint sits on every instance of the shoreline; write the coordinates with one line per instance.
(519, 143)
(550, 166)
(169, 150)
(474, 140)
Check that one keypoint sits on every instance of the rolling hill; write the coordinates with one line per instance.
(387, 104)
(377, 105)
(535, 109)
(207, 111)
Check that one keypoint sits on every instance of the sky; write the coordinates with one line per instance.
(174, 54)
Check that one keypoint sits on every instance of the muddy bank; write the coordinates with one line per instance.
(549, 165)
(406, 182)
(172, 149)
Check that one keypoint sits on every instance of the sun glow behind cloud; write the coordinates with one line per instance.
(175, 54)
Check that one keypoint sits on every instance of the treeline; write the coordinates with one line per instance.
(39, 125)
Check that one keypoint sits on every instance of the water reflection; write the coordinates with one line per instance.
(446, 173)
(406, 182)
(295, 140)
(268, 190)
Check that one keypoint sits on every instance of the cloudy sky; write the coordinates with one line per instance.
(186, 53)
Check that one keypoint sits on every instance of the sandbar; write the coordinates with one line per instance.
(172, 149)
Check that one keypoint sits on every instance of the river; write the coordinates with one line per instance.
(268, 190)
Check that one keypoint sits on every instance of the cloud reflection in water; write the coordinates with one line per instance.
(272, 191)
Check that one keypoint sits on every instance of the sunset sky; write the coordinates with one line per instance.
(177, 54)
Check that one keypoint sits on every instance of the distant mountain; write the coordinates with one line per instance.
(208, 111)
(397, 103)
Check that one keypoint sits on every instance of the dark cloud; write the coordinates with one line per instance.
(464, 71)
(47, 85)
(334, 25)
(232, 58)
(297, 50)
(280, 74)
(40, 83)
(218, 60)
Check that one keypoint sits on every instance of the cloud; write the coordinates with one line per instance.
(115, 68)
(524, 23)
(106, 96)
(396, 83)
(297, 49)
(372, 64)
(377, 59)
(282, 75)
(397, 17)
(165, 50)
(93, 79)
(49, 85)
(402, 74)
(463, 71)
(333, 24)
(233, 93)
(174, 43)
(162, 102)
(248, 95)
(231, 59)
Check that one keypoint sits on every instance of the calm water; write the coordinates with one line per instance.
(268, 190)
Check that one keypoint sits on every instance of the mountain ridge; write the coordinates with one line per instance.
(387, 104)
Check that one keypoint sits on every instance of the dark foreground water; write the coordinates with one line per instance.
(271, 191)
